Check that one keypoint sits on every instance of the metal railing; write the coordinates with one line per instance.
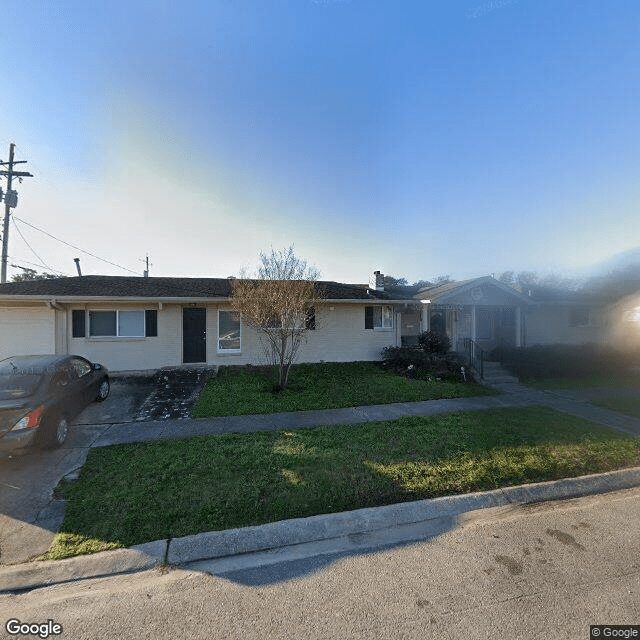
(475, 355)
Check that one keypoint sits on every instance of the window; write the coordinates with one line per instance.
(579, 317)
(103, 323)
(380, 317)
(293, 321)
(131, 323)
(118, 323)
(310, 320)
(79, 368)
(228, 331)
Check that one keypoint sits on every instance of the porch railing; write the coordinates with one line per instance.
(475, 355)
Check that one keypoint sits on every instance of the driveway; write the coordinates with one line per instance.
(29, 515)
(161, 395)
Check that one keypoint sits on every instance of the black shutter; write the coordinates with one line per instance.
(310, 321)
(78, 323)
(151, 323)
(368, 317)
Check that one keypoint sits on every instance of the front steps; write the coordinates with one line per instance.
(495, 375)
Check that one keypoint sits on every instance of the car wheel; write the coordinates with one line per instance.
(56, 432)
(103, 390)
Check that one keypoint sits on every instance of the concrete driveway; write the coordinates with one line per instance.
(138, 397)
(29, 513)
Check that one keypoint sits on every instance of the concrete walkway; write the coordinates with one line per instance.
(513, 395)
(351, 531)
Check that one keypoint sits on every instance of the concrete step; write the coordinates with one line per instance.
(494, 373)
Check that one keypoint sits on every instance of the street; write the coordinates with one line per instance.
(540, 571)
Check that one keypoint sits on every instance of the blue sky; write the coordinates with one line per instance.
(418, 138)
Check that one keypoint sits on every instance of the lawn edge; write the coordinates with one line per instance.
(358, 527)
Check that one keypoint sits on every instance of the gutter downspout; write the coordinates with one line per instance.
(54, 304)
(59, 327)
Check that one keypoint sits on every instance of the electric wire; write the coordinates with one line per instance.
(44, 264)
(33, 264)
(74, 246)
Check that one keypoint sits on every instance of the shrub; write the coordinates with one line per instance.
(415, 363)
(542, 362)
(432, 342)
(399, 359)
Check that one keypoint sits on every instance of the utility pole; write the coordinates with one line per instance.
(146, 271)
(10, 202)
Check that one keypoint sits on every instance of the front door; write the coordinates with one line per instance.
(194, 334)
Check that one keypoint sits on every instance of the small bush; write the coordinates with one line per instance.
(415, 363)
(432, 342)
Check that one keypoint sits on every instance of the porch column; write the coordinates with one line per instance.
(473, 323)
(425, 321)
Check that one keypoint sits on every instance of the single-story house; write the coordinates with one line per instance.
(139, 323)
(482, 309)
(576, 318)
(493, 314)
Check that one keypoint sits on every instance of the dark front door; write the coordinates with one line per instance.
(194, 334)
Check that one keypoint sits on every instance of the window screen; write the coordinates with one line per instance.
(131, 323)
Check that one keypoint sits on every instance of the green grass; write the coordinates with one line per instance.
(249, 390)
(630, 406)
(135, 493)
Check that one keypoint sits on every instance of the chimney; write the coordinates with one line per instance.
(376, 281)
(77, 261)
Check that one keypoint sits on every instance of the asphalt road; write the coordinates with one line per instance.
(544, 571)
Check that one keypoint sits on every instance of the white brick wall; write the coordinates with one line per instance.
(339, 336)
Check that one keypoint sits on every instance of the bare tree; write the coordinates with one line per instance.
(280, 305)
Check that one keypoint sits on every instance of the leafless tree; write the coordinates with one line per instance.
(280, 305)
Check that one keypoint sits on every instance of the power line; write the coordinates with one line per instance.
(74, 246)
(44, 264)
(33, 264)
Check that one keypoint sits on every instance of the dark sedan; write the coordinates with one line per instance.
(40, 395)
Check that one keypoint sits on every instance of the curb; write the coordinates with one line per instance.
(297, 531)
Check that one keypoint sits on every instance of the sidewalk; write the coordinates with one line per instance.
(513, 395)
(350, 532)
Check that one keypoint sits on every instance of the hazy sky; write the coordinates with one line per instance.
(415, 137)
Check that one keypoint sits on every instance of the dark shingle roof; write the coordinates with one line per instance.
(137, 287)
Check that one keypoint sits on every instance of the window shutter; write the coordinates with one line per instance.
(151, 323)
(78, 323)
(310, 321)
(368, 317)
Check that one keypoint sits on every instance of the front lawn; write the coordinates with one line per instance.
(248, 390)
(630, 406)
(135, 493)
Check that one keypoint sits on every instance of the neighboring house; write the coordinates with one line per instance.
(136, 323)
(494, 314)
(482, 309)
(569, 318)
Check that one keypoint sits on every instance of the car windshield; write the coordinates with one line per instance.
(18, 385)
